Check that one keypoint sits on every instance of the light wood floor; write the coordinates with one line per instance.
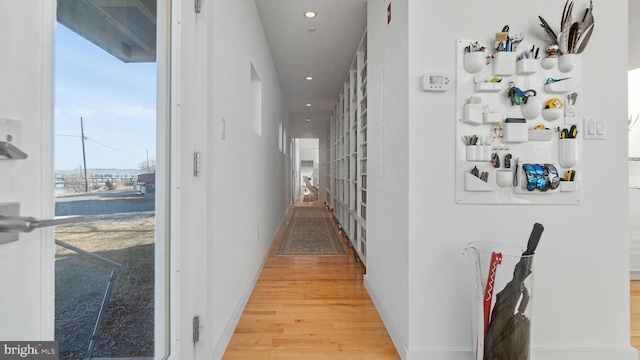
(635, 314)
(310, 308)
(317, 307)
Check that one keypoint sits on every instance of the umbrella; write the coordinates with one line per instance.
(509, 329)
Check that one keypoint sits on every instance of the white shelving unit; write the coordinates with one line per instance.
(361, 59)
(347, 164)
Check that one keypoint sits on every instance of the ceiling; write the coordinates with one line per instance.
(324, 54)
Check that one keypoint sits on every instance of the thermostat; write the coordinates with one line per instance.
(436, 82)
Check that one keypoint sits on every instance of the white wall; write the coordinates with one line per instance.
(387, 277)
(634, 106)
(247, 193)
(26, 95)
(581, 295)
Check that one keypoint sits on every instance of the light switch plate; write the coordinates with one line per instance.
(595, 129)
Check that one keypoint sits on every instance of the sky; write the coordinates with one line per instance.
(116, 100)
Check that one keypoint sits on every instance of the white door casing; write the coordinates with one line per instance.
(26, 95)
(182, 191)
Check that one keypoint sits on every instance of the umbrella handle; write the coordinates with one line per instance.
(496, 259)
(525, 300)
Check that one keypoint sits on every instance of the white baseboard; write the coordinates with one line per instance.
(617, 353)
(221, 346)
(634, 275)
(625, 353)
(397, 339)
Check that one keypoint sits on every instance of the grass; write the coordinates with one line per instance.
(127, 328)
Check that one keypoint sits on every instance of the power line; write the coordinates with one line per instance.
(112, 148)
(101, 144)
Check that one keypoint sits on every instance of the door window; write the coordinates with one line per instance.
(105, 116)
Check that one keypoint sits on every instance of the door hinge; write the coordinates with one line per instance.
(196, 329)
(196, 164)
(197, 5)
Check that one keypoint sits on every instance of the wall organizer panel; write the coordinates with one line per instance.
(500, 128)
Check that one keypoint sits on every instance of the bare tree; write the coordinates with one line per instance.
(147, 166)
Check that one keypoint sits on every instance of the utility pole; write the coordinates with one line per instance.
(148, 169)
(84, 158)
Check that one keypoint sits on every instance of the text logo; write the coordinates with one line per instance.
(41, 350)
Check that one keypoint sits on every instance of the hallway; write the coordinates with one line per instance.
(305, 307)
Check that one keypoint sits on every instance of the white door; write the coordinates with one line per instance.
(26, 99)
(27, 269)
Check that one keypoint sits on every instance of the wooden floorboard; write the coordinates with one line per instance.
(635, 314)
(306, 307)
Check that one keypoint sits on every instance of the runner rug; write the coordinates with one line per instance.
(310, 233)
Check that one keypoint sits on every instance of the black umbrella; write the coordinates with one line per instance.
(509, 329)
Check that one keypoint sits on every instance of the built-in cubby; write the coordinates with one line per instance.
(347, 156)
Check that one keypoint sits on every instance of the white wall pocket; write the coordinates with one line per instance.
(487, 86)
(525, 131)
(504, 63)
(551, 114)
(475, 61)
(527, 66)
(515, 130)
(532, 108)
(491, 116)
(541, 135)
(473, 111)
(504, 178)
(474, 184)
(567, 62)
(568, 152)
(561, 87)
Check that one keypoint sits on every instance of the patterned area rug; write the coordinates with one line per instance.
(310, 233)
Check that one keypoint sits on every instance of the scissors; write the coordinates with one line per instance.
(571, 133)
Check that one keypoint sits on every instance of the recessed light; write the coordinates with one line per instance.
(310, 14)
(308, 119)
(307, 105)
(309, 78)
